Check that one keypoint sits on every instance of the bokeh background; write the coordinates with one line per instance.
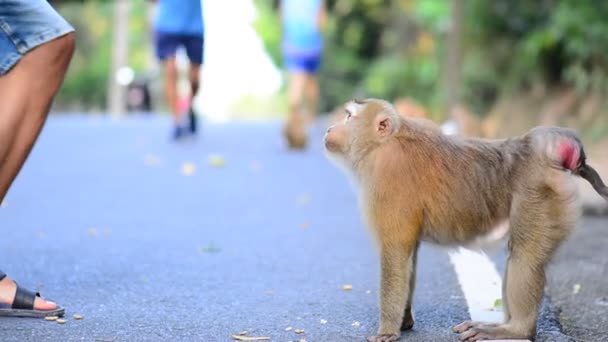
(498, 66)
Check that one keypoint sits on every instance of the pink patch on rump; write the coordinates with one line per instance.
(569, 154)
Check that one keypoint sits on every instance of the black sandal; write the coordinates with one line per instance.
(23, 305)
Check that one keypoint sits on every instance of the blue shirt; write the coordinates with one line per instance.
(301, 35)
(179, 16)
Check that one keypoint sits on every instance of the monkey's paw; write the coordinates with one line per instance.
(475, 331)
(383, 338)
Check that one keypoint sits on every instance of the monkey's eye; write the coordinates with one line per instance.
(348, 114)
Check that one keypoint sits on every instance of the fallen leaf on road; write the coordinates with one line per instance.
(249, 338)
(356, 324)
(303, 199)
(50, 318)
(323, 321)
(188, 169)
(151, 160)
(77, 316)
(497, 305)
(216, 160)
(92, 231)
(61, 321)
(299, 331)
(209, 249)
(288, 328)
(347, 287)
(576, 288)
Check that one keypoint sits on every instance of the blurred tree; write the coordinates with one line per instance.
(85, 87)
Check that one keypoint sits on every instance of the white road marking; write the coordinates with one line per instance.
(481, 284)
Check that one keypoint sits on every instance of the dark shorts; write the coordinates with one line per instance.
(308, 64)
(168, 43)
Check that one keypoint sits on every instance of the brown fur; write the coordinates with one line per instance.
(416, 184)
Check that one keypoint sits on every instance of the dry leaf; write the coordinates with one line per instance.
(188, 169)
(248, 338)
(576, 288)
(347, 287)
(299, 331)
(151, 160)
(61, 321)
(303, 199)
(288, 328)
(51, 318)
(497, 305)
(209, 249)
(77, 316)
(216, 160)
(92, 231)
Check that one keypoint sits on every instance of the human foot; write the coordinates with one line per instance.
(19, 302)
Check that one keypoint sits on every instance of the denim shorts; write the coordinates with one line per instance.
(168, 43)
(24, 25)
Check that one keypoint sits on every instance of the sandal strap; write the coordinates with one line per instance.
(24, 299)
(2, 275)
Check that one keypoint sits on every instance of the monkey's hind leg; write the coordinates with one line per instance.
(540, 221)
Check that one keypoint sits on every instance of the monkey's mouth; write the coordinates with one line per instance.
(331, 146)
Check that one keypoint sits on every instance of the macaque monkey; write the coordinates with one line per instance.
(416, 184)
(294, 132)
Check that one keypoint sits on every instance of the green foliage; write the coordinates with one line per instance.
(516, 43)
(86, 83)
(268, 26)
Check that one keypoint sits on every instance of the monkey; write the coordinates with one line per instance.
(294, 132)
(416, 184)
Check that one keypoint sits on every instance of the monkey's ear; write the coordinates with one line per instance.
(384, 125)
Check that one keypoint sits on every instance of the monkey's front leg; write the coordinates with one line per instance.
(396, 272)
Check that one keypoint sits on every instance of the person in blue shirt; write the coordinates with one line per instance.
(179, 23)
(303, 22)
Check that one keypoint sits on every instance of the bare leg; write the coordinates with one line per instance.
(312, 96)
(39, 73)
(171, 88)
(297, 83)
(194, 86)
(194, 76)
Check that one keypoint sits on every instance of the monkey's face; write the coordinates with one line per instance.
(367, 123)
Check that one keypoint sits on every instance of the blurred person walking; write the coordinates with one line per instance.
(179, 23)
(303, 22)
(36, 46)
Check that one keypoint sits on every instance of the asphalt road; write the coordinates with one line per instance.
(149, 242)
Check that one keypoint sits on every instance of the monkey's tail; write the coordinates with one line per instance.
(589, 173)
